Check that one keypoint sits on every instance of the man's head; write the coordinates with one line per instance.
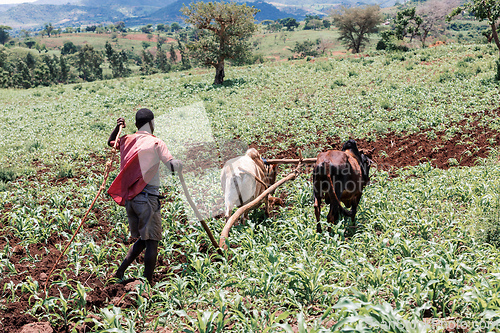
(144, 116)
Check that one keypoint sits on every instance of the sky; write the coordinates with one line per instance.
(5, 2)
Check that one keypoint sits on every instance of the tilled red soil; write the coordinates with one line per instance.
(442, 150)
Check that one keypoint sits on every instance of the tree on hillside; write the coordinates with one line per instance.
(147, 66)
(25, 33)
(117, 61)
(355, 24)
(274, 27)
(173, 55)
(30, 43)
(433, 14)
(185, 62)
(4, 34)
(89, 63)
(225, 30)
(289, 23)
(162, 62)
(483, 10)
(305, 49)
(49, 28)
(120, 26)
(407, 23)
(64, 70)
(174, 27)
(313, 22)
(68, 48)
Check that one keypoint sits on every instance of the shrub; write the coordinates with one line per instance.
(65, 171)
(7, 175)
(337, 83)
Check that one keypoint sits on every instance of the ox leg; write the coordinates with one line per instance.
(317, 209)
(227, 212)
(354, 208)
(334, 213)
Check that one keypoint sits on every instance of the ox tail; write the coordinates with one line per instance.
(344, 211)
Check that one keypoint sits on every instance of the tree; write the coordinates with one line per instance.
(64, 70)
(160, 40)
(289, 23)
(433, 14)
(186, 64)
(30, 43)
(161, 61)
(173, 55)
(226, 28)
(4, 35)
(483, 10)
(51, 65)
(305, 49)
(174, 27)
(314, 24)
(147, 66)
(160, 27)
(120, 26)
(22, 77)
(68, 48)
(49, 28)
(25, 33)
(117, 61)
(89, 63)
(407, 23)
(355, 24)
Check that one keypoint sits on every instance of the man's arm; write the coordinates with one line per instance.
(113, 137)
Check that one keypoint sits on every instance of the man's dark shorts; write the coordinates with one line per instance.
(144, 217)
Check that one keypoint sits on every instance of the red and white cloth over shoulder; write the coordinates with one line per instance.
(140, 155)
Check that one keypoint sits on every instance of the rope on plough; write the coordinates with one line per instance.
(257, 201)
(109, 163)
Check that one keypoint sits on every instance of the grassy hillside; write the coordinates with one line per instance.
(417, 262)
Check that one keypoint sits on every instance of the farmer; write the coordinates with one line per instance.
(137, 187)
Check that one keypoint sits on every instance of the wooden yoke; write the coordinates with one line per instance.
(254, 203)
(291, 161)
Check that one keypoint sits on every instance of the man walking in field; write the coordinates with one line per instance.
(137, 187)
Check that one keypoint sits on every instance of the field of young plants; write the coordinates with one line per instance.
(424, 256)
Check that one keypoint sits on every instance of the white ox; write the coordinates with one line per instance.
(244, 178)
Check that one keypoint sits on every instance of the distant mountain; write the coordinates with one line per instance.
(171, 13)
(5, 7)
(125, 3)
(141, 12)
(347, 3)
(56, 2)
(27, 15)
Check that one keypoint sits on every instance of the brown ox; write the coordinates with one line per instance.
(340, 176)
(244, 178)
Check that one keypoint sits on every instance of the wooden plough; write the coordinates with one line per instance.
(257, 201)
